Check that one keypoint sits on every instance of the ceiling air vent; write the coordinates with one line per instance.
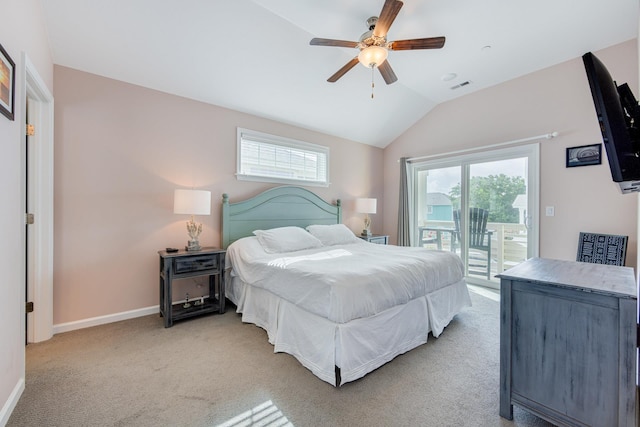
(458, 86)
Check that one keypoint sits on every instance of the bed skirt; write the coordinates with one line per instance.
(356, 347)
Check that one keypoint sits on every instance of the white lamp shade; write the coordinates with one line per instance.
(192, 202)
(367, 206)
(372, 56)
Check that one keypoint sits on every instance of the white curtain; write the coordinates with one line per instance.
(404, 225)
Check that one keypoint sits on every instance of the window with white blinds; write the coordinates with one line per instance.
(270, 158)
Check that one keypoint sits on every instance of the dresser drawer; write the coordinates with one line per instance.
(196, 263)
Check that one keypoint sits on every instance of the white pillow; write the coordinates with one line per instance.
(335, 234)
(286, 239)
(248, 248)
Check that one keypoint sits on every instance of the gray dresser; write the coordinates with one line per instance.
(568, 342)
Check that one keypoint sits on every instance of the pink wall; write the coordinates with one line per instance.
(122, 149)
(553, 99)
(22, 31)
(120, 152)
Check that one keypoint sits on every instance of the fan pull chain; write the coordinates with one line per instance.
(372, 85)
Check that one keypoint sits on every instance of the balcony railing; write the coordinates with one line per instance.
(508, 243)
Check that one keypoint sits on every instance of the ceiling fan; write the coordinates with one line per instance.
(374, 46)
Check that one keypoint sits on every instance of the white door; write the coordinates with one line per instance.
(38, 191)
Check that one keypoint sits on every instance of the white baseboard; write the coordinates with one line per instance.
(11, 402)
(102, 320)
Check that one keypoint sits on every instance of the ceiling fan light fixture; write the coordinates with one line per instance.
(372, 56)
(374, 47)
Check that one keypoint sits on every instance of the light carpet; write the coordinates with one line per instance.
(215, 370)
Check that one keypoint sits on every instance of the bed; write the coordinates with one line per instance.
(340, 305)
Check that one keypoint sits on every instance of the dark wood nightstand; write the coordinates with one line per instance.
(183, 264)
(380, 239)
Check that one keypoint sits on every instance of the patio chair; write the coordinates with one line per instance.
(479, 239)
(597, 248)
(425, 237)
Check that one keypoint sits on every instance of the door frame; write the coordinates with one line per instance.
(532, 151)
(39, 244)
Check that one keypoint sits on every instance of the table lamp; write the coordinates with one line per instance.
(366, 206)
(192, 202)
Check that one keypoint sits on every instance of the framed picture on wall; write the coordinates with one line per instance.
(584, 155)
(7, 83)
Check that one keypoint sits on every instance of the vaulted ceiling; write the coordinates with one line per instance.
(255, 57)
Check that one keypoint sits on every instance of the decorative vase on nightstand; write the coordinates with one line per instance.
(194, 231)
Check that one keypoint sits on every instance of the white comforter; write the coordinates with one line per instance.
(345, 282)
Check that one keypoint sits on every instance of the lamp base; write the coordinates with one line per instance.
(366, 233)
(193, 246)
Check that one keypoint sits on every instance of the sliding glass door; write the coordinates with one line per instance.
(482, 206)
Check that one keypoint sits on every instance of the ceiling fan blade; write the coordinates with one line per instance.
(428, 43)
(387, 73)
(387, 16)
(331, 42)
(342, 71)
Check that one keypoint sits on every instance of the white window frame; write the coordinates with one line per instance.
(464, 161)
(283, 142)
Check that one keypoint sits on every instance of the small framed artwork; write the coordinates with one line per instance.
(7, 83)
(584, 155)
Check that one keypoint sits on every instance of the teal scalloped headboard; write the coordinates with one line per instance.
(276, 207)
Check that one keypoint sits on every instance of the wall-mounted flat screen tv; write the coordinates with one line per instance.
(619, 117)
